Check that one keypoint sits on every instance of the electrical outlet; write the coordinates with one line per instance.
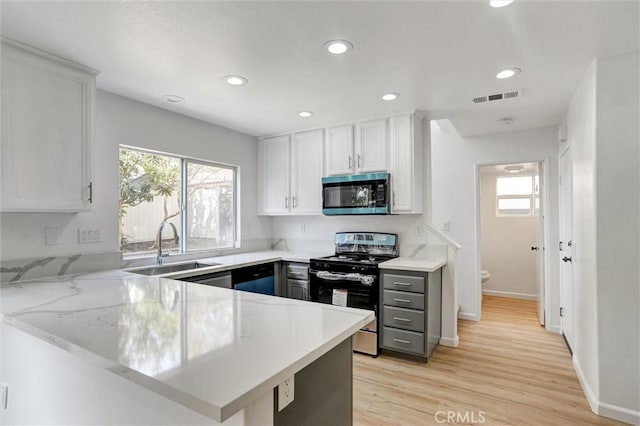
(89, 236)
(4, 395)
(285, 393)
(446, 225)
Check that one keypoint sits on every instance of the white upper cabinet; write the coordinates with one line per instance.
(369, 152)
(292, 166)
(47, 131)
(274, 175)
(307, 151)
(371, 149)
(339, 150)
(406, 154)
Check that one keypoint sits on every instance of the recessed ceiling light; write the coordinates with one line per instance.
(305, 114)
(390, 96)
(508, 73)
(173, 98)
(235, 80)
(500, 3)
(338, 47)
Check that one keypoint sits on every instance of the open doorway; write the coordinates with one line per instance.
(511, 239)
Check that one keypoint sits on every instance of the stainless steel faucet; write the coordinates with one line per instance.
(175, 236)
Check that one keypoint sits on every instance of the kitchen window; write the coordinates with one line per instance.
(196, 199)
(516, 196)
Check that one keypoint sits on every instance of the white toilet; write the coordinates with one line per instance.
(484, 276)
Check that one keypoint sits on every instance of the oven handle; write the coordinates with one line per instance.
(334, 276)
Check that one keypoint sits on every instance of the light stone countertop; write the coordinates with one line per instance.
(240, 260)
(430, 264)
(210, 349)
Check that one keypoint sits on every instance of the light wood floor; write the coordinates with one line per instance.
(507, 367)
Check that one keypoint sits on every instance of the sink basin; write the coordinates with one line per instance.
(165, 269)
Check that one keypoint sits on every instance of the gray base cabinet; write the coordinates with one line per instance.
(296, 279)
(411, 311)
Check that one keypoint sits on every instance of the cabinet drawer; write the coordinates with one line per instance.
(407, 319)
(403, 299)
(402, 340)
(299, 272)
(404, 283)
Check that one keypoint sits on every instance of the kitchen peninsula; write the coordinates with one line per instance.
(114, 348)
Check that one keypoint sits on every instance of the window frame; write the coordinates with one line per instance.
(531, 197)
(184, 161)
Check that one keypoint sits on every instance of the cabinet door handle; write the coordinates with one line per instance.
(358, 160)
(403, 284)
(286, 202)
(402, 300)
(393, 194)
(349, 161)
(90, 192)
(293, 200)
(402, 341)
(401, 319)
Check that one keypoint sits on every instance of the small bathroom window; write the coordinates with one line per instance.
(515, 196)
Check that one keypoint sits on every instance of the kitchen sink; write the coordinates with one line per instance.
(165, 269)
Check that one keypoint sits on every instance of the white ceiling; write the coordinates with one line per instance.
(438, 55)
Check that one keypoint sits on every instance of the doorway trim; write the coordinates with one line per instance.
(546, 232)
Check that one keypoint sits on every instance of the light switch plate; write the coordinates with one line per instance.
(89, 235)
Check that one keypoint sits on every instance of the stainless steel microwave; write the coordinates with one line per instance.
(356, 194)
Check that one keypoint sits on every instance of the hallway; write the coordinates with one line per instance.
(507, 370)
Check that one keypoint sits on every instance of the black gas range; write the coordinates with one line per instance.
(351, 277)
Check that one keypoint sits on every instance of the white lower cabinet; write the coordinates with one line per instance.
(290, 174)
(47, 131)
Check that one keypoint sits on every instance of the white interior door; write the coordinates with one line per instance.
(540, 244)
(566, 268)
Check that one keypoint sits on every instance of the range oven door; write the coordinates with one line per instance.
(362, 289)
(362, 292)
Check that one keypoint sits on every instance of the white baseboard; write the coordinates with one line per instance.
(468, 316)
(448, 341)
(588, 392)
(619, 413)
(512, 295)
(554, 329)
(602, 408)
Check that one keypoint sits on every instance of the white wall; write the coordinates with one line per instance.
(454, 195)
(602, 122)
(581, 121)
(121, 120)
(618, 248)
(506, 247)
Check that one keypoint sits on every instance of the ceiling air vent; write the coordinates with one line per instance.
(512, 94)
